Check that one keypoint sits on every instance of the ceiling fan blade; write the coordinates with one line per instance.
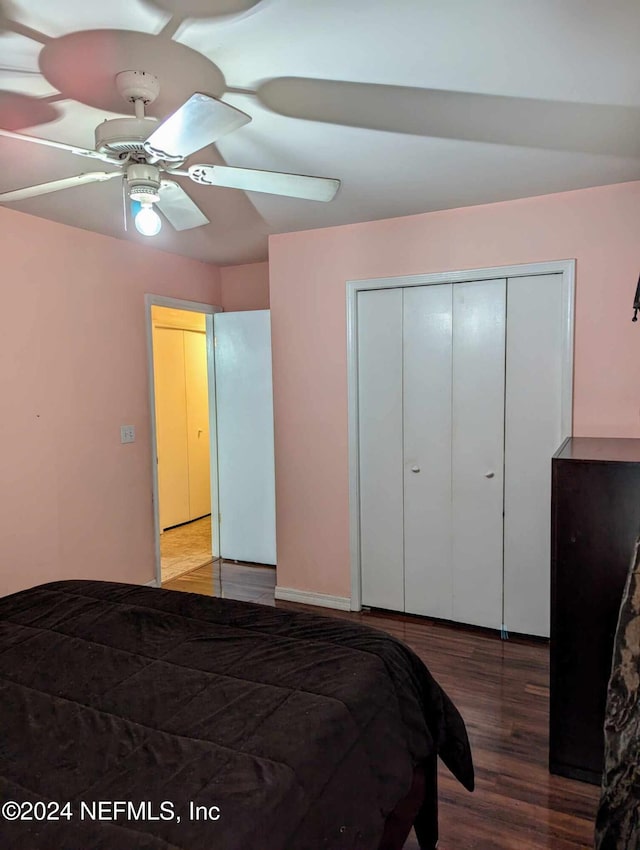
(22, 137)
(57, 185)
(200, 121)
(271, 182)
(178, 208)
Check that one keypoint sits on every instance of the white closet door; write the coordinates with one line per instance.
(171, 427)
(381, 456)
(478, 451)
(196, 391)
(244, 406)
(533, 422)
(427, 450)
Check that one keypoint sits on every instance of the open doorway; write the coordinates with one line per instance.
(213, 456)
(179, 335)
(182, 437)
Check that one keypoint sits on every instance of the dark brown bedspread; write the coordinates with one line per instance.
(303, 730)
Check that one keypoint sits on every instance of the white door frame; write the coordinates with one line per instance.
(565, 267)
(209, 310)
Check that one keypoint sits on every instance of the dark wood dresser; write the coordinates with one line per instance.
(595, 521)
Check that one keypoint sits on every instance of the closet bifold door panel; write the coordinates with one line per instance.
(172, 429)
(381, 454)
(428, 323)
(477, 457)
(196, 389)
(460, 409)
(533, 432)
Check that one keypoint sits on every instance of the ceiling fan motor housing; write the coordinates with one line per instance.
(144, 183)
(124, 136)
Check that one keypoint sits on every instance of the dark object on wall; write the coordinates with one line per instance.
(594, 525)
(618, 820)
(636, 303)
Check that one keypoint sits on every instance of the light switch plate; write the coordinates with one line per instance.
(127, 433)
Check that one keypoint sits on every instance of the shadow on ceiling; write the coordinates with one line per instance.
(493, 119)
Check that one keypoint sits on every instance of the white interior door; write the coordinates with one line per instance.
(478, 451)
(244, 410)
(533, 423)
(381, 452)
(428, 313)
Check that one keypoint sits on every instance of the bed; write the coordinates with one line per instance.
(141, 719)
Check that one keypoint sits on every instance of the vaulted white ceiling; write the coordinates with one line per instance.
(415, 105)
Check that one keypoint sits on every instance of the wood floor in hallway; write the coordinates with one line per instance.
(502, 690)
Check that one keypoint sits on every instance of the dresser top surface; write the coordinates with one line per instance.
(615, 449)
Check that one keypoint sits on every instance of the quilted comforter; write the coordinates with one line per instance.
(140, 719)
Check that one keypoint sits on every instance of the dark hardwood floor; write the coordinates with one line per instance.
(502, 690)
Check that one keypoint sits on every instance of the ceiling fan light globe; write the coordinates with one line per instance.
(147, 221)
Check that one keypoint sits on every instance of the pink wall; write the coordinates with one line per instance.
(75, 503)
(599, 227)
(245, 287)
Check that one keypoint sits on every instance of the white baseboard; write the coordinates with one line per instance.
(310, 597)
(152, 583)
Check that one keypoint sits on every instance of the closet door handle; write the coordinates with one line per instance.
(489, 475)
(415, 469)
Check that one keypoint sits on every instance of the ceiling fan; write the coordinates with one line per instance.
(144, 150)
